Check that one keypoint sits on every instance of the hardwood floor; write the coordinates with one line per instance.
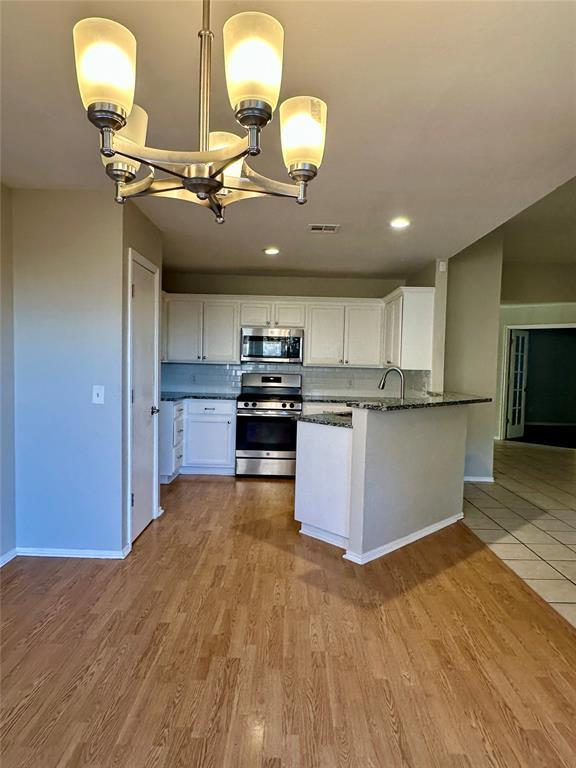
(226, 639)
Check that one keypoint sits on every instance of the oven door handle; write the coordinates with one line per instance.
(279, 414)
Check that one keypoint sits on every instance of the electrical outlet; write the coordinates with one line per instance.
(98, 394)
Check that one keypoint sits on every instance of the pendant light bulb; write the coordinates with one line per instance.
(303, 131)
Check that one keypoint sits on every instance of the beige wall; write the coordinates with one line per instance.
(7, 495)
(525, 315)
(539, 283)
(139, 233)
(271, 285)
(472, 319)
(424, 278)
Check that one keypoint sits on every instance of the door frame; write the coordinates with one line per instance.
(133, 256)
(506, 363)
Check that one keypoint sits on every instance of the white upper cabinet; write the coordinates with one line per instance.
(255, 314)
(221, 332)
(408, 323)
(290, 314)
(281, 314)
(183, 329)
(363, 335)
(324, 338)
(393, 331)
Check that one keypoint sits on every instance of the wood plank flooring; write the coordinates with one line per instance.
(226, 639)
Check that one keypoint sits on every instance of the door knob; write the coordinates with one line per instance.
(154, 410)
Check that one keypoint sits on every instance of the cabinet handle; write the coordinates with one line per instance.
(340, 361)
(179, 456)
(267, 322)
(229, 422)
(346, 361)
(209, 409)
(180, 431)
(203, 357)
(199, 358)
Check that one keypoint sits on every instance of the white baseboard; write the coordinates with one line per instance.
(373, 554)
(208, 471)
(322, 535)
(480, 479)
(103, 554)
(7, 556)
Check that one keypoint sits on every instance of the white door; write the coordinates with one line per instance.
(517, 371)
(290, 314)
(221, 337)
(183, 330)
(363, 336)
(257, 314)
(393, 332)
(209, 440)
(144, 330)
(324, 344)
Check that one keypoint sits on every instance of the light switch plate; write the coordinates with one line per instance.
(98, 394)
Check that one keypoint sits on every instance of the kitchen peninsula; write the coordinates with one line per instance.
(382, 473)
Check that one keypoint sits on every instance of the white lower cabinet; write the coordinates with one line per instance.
(209, 437)
(171, 440)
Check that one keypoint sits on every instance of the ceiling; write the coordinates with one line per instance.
(458, 115)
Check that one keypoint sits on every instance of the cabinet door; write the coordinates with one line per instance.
(221, 337)
(393, 332)
(290, 314)
(183, 330)
(257, 314)
(363, 336)
(324, 340)
(209, 441)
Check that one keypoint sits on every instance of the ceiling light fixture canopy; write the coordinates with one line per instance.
(217, 174)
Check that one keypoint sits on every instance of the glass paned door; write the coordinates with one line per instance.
(517, 370)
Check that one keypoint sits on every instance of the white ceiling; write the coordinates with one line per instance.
(458, 114)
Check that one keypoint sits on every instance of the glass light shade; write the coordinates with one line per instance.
(105, 53)
(135, 130)
(221, 140)
(253, 48)
(303, 130)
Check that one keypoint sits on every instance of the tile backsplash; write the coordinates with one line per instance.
(190, 377)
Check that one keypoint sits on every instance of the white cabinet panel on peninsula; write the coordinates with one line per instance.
(201, 330)
(408, 322)
(344, 334)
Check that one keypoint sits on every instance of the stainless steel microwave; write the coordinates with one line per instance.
(272, 345)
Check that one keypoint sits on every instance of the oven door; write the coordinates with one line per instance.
(260, 436)
(271, 345)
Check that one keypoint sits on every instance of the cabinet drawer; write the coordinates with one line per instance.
(211, 407)
(178, 435)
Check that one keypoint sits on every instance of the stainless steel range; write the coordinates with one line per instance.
(265, 424)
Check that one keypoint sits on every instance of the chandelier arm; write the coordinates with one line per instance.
(219, 167)
(167, 157)
(140, 189)
(254, 182)
(133, 188)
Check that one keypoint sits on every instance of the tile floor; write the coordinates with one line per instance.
(528, 518)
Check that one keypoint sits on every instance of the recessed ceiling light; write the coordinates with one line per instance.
(400, 222)
(271, 250)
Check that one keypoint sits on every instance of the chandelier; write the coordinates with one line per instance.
(218, 173)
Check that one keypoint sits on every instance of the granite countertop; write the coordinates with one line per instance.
(173, 396)
(327, 419)
(430, 400)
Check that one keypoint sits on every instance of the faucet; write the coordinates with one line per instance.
(400, 373)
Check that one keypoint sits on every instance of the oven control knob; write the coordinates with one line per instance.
(246, 405)
(291, 405)
(283, 405)
(254, 405)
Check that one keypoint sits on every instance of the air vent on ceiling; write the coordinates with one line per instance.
(326, 229)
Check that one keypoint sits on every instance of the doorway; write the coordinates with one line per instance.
(541, 386)
(143, 385)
